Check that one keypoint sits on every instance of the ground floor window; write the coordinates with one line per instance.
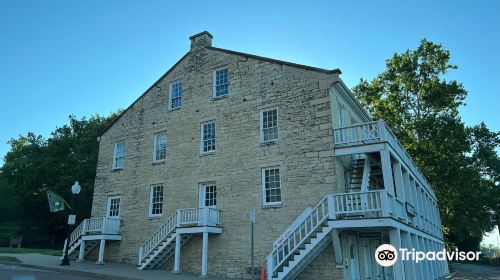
(113, 206)
(156, 200)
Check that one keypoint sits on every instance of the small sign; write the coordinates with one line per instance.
(410, 210)
(71, 219)
(370, 234)
(252, 215)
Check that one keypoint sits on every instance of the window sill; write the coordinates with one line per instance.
(280, 205)
(159, 162)
(219, 97)
(116, 169)
(154, 217)
(174, 109)
(207, 154)
(269, 143)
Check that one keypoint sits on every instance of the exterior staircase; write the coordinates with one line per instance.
(160, 247)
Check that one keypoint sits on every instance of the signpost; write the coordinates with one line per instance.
(252, 215)
(71, 219)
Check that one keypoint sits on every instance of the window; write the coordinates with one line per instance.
(208, 138)
(269, 125)
(221, 83)
(119, 155)
(208, 195)
(271, 186)
(160, 147)
(156, 200)
(175, 95)
(113, 207)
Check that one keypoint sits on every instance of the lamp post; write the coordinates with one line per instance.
(75, 190)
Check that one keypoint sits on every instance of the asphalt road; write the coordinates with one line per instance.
(11, 272)
(474, 271)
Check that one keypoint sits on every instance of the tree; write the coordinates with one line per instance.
(34, 164)
(460, 162)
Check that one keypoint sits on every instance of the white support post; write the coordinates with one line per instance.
(385, 160)
(428, 248)
(337, 249)
(141, 255)
(418, 266)
(270, 267)
(81, 255)
(425, 263)
(409, 264)
(206, 212)
(204, 255)
(101, 251)
(398, 268)
(104, 228)
(177, 258)
(179, 217)
(85, 226)
(331, 207)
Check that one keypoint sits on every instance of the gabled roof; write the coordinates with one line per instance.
(334, 71)
(321, 70)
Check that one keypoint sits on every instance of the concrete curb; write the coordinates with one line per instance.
(69, 271)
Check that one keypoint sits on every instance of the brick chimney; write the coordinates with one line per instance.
(200, 40)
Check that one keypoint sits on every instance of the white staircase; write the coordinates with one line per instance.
(160, 247)
(87, 228)
(301, 244)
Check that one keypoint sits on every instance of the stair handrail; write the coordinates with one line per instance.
(304, 229)
(157, 237)
(76, 234)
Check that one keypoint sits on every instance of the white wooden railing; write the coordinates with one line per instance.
(181, 218)
(373, 204)
(95, 226)
(373, 132)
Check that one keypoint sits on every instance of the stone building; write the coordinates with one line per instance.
(224, 132)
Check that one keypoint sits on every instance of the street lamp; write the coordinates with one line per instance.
(75, 190)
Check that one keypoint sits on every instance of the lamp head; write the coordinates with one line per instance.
(75, 189)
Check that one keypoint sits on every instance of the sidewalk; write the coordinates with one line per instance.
(118, 271)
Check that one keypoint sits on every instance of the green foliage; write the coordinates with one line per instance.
(34, 164)
(460, 162)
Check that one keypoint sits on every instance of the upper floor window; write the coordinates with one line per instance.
(175, 95)
(207, 138)
(119, 155)
(269, 125)
(221, 82)
(113, 207)
(156, 200)
(271, 186)
(160, 147)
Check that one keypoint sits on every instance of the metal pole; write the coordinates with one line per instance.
(253, 269)
(65, 260)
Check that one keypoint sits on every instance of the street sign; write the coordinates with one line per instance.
(252, 215)
(71, 219)
(370, 234)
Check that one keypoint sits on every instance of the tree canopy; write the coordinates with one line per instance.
(460, 161)
(35, 163)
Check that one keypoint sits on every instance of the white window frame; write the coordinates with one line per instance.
(115, 156)
(151, 193)
(214, 82)
(202, 134)
(263, 173)
(170, 103)
(108, 207)
(262, 125)
(155, 146)
(202, 194)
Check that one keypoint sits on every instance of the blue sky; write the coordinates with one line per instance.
(83, 57)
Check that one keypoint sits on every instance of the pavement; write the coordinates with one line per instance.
(476, 271)
(48, 266)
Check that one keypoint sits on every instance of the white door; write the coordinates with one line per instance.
(113, 208)
(377, 271)
(208, 195)
(353, 258)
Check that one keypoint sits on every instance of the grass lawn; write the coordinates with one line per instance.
(51, 252)
(9, 259)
